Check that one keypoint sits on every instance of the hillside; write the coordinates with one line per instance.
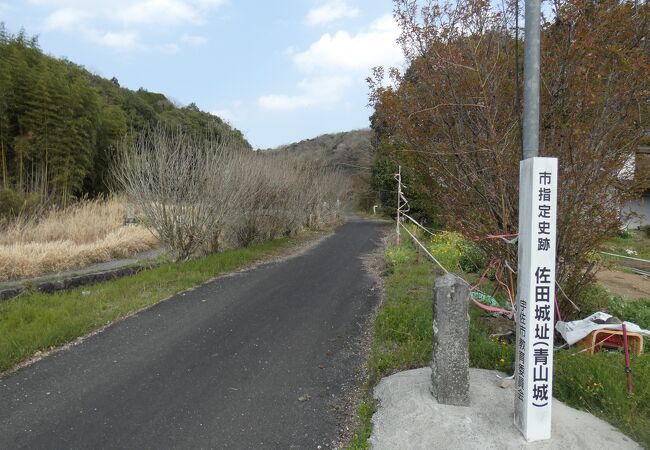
(349, 151)
(59, 124)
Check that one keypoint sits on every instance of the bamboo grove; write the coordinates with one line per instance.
(60, 124)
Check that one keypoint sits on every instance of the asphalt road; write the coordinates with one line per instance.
(260, 359)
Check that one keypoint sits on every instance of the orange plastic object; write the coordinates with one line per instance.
(599, 339)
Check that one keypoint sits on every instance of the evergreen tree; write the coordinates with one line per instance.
(59, 124)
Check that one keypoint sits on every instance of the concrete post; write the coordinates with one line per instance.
(130, 214)
(450, 366)
(536, 297)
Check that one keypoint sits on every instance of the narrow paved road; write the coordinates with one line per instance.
(260, 359)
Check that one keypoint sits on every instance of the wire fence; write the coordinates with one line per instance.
(403, 208)
(473, 288)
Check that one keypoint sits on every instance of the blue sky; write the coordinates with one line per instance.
(280, 71)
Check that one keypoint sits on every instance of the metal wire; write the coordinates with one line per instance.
(425, 249)
(418, 224)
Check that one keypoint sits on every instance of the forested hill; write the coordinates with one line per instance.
(349, 151)
(59, 123)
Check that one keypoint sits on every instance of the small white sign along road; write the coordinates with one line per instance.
(536, 297)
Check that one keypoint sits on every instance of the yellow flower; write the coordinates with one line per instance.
(502, 360)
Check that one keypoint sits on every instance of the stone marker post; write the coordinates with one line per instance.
(450, 366)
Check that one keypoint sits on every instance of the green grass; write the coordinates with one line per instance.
(597, 384)
(486, 352)
(596, 298)
(403, 331)
(402, 340)
(634, 240)
(38, 322)
(365, 410)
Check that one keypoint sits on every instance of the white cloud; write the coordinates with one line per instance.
(125, 40)
(232, 113)
(195, 41)
(330, 11)
(339, 60)
(65, 18)
(119, 41)
(207, 4)
(120, 8)
(124, 24)
(321, 91)
(343, 51)
(159, 12)
(170, 48)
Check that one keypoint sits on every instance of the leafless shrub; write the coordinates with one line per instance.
(284, 195)
(197, 194)
(174, 178)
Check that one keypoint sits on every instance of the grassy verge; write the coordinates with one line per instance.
(365, 410)
(403, 332)
(597, 298)
(38, 322)
(634, 243)
(597, 384)
(402, 340)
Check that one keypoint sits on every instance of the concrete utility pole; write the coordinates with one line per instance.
(531, 79)
(538, 180)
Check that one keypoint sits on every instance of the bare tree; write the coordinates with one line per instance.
(197, 194)
(279, 195)
(174, 178)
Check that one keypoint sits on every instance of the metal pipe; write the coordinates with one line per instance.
(531, 79)
(628, 369)
(399, 196)
(625, 257)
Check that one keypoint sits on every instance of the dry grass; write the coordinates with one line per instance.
(87, 233)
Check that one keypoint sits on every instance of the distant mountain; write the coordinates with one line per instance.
(350, 151)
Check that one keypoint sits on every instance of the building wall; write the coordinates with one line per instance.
(642, 208)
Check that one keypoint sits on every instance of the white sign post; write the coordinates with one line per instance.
(536, 297)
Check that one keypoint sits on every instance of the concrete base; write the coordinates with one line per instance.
(408, 417)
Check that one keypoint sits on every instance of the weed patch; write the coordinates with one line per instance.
(403, 326)
(89, 232)
(403, 329)
(597, 298)
(403, 332)
(634, 243)
(365, 410)
(597, 384)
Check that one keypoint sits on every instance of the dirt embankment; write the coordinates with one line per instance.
(628, 285)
